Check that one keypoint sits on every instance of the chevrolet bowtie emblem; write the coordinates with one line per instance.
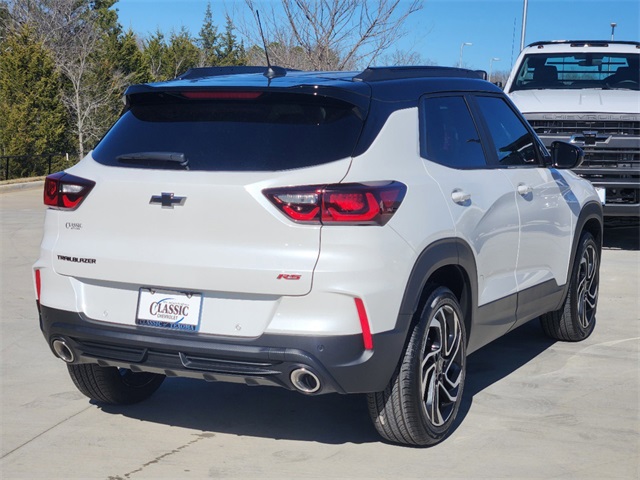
(590, 138)
(167, 200)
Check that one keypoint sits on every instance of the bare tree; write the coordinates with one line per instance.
(500, 77)
(404, 57)
(71, 31)
(330, 34)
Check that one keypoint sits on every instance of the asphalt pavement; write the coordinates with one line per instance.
(533, 408)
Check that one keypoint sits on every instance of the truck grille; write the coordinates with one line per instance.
(616, 144)
(570, 127)
(597, 157)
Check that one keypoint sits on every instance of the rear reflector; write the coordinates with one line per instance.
(66, 192)
(340, 204)
(367, 338)
(38, 284)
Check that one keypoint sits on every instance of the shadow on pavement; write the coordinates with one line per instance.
(268, 412)
(622, 234)
(499, 359)
(332, 419)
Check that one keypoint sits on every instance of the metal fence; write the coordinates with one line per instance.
(25, 166)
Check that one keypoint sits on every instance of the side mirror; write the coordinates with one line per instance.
(566, 155)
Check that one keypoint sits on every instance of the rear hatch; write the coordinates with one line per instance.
(178, 199)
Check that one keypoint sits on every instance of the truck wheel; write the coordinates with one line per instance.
(420, 404)
(114, 386)
(575, 320)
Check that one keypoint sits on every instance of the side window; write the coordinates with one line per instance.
(514, 145)
(449, 135)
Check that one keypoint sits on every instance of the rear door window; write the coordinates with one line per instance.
(246, 131)
(449, 134)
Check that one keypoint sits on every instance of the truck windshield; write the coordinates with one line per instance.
(579, 70)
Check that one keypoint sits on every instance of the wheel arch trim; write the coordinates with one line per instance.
(448, 252)
(591, 220)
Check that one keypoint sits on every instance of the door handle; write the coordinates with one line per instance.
(460, 197)
(524, 190)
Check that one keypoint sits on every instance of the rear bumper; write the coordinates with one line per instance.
(340, 362)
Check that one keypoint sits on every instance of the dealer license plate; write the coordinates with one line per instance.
(602, 193)
(169, 309)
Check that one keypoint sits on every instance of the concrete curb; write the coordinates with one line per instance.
(11, 187)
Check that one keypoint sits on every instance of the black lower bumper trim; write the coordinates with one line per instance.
(340, 362)
(621, 210)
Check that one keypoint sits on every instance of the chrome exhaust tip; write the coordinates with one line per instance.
(62, 350)
(305, 381)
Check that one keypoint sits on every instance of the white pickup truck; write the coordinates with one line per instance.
(587, 93)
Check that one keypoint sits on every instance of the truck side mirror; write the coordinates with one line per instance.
(566, 155)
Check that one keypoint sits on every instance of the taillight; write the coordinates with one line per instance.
(63, 191)
(344, 204)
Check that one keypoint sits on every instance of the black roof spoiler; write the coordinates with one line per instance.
(203, 72)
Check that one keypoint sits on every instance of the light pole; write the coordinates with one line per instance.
(491, 65)
(465, 44)
(524, 24)
(613, 27)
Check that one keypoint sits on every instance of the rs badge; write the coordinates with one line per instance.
(289, 276)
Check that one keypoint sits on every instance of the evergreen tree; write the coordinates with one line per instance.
(33, 119)
(181, 54)
(230, 52)
(130, 59)
(4, 19)
(154, 55)
(208, 40)
(107, 18)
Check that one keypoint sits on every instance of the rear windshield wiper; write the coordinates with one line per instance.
(149, 158)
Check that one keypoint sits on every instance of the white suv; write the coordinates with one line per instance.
(323, 232)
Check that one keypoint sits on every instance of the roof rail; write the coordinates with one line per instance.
(378, 74)
(588, 43)
(201, 72)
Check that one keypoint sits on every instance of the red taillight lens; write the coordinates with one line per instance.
(350, 207)
(344, 204)
(204, 95)
(66, 192)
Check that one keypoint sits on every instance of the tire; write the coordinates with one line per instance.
(420, 404)
(576, 319)
(114, 386)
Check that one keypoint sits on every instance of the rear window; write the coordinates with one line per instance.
(233, 133)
